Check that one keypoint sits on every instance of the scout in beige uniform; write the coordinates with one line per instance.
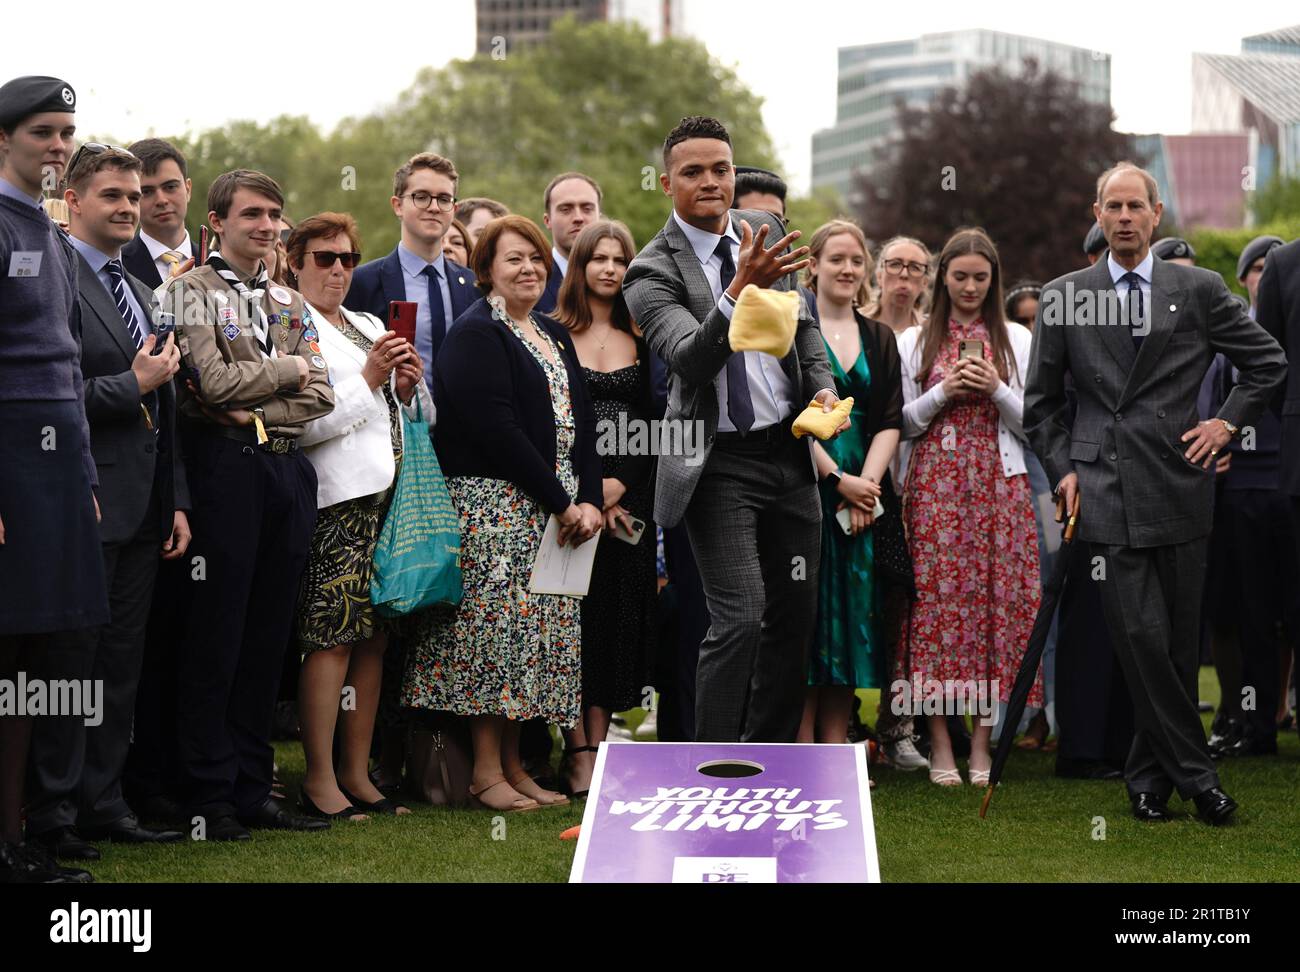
(248, 348)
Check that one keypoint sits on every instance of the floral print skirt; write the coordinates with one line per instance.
(504, 650)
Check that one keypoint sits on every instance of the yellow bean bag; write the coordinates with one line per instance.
(813, 421)
(765, 320)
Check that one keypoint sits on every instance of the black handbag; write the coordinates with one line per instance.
(893, 559)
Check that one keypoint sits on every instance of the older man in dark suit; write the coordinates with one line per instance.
(1136, 335)
(745, 486)
(130, 404)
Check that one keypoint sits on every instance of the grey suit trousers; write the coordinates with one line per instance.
(755, 525)
(1152, 600)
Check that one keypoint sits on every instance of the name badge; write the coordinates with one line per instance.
(25, 263)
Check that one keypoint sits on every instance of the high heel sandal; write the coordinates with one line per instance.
(945, 777)
(350, 812)
(564, 777)
(521, 805)
(979, 777)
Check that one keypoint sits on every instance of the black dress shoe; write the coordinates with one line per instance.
(66, 844)
(1249, 744)
(1150, 808)
(159, 808)
(1214, 806)
(225, 827)
(128, 830)
(1086, 769)
(274, 815)
(30, 863)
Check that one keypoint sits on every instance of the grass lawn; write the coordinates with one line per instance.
(1039, 828)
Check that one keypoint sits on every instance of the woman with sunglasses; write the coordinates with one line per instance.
(356, 451)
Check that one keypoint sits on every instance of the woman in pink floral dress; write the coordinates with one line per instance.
(967, 505)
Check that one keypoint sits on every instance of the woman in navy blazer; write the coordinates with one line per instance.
(516, 439)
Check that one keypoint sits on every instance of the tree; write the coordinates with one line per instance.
(1279, 199)
(1018, 155)
(598, 98)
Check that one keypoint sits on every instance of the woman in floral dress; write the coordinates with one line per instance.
(516, 440)
(967, 503)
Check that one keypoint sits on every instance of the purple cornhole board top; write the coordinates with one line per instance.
(652, 817)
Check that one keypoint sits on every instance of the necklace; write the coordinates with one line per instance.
(609, 330)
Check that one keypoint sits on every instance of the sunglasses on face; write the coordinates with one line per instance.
(324, 259)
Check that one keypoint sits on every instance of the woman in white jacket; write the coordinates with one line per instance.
(967, 502)
(356, 451)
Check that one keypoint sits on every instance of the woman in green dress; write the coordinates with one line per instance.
(846, 648)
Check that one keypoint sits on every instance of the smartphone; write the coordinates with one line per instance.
(638, 528)
(165, 325)
(843, 519)
(401, 318)
(970, 348)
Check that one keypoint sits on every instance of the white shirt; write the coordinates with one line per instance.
(1143, 270)
(561, 264)
(770, 389)
(157, 249)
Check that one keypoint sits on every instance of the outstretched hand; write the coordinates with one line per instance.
(761, 266)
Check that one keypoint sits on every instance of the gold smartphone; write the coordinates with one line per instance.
(970, 348)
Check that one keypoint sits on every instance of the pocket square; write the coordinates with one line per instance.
(813, 421)
(764, 320)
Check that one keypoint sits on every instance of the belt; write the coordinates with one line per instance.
(277, 444)
(765, 437)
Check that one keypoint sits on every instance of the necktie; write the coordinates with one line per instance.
(1136, 309)
(740, 407)
(171, 258)
(118, 278)
(437, 314)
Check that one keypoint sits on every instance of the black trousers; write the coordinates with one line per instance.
(1093, 708)
(1152, 602)
(755, 526)
(75, 767)
(252, 516)
(679, 655)
(1264, 591)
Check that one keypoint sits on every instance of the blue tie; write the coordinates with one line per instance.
(1136, 308)
(740, 406)
(118, 277)
(437, 313)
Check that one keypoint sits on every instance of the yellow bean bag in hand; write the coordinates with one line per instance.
(813, 421)
(765, 320)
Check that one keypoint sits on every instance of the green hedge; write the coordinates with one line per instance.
(1218, 249)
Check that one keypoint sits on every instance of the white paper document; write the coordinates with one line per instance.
(562, 570)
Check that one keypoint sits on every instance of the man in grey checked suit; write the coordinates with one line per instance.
(1141, 464)
(748, 489)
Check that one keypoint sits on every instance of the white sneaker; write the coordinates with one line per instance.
(649, 727)
(904, 754)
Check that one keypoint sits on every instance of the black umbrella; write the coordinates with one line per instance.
(1034, 650)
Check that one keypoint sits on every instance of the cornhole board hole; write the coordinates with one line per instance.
(727, 813)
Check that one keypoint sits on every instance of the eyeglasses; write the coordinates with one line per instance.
(324, 259)
(896, 267)
(422, 200)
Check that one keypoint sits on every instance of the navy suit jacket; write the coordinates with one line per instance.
(139, 264)
(378, 282)
(546, 303)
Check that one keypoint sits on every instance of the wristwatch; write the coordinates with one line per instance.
(1232, 429)
(836, 474)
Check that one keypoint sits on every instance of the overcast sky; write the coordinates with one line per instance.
(311, 58)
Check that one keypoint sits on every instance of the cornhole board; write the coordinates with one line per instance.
(652, 815)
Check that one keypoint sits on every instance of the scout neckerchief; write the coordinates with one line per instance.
(261, 327)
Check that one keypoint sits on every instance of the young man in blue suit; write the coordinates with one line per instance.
(424, 199)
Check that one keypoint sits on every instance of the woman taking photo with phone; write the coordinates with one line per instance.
(618, 613)
(967, 502)
(854, 472)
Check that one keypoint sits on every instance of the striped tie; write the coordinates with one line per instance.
(116, 274)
